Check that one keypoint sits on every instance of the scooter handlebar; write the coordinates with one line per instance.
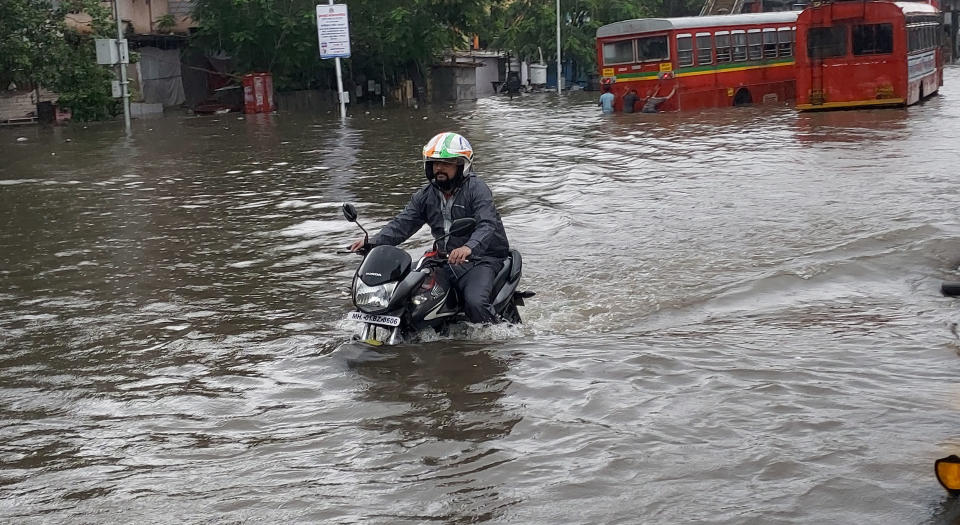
(362, 251)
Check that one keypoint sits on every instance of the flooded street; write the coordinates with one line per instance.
(737, 320)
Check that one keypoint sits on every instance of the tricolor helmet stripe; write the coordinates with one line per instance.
(447, 145)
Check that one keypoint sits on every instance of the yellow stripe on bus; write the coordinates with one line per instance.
(726, 70)
(852, 104)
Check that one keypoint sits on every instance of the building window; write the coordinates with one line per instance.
(873, 39)
(827, 42)
(684, 50)
(618, 52)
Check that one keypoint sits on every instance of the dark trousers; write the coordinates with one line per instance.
(476, 288)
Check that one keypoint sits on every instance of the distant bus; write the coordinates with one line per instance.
(863, 54)
(700, 61)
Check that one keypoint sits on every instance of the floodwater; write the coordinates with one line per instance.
(737, 320)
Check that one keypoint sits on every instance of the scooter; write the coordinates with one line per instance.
(395, 299)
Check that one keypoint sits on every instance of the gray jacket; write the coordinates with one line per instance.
(472, 199)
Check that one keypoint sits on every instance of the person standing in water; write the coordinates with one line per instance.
(606, 99)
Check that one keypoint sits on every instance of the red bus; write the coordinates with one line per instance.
(863, 53)
(698, 62)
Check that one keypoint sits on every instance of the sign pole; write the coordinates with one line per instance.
(121, 43)
(559, 72)
(343, 104)
(333, 32)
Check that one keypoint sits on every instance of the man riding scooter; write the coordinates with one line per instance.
(454, 191)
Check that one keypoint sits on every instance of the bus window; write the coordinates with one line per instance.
(770, 43)
(704, 49)
(785, 41)
(872, 39)
(618, 52)
(739, 45)
(827, 42)
(652, 48)
(684, 50)
(755, 41)
(723, 46)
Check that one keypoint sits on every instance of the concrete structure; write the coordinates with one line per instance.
(20, 106)
(473, 74)
(951, 25)
(143, 17)
(489, 69)
(157, 77)
(453, 82)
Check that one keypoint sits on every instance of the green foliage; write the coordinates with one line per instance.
(388, 37)
(279, 36)
(398, 35)
(83, 85)
(29, 29)
(37, 47)
(165, 23)
(530, 23)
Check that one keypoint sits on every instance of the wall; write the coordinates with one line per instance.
(486, 75)
(181, 9)
(22, 104)
(453, 83)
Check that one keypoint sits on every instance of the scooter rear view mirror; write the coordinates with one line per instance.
(349, 212)
(463, 226)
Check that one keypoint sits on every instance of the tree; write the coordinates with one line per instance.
(389, 38)
(400, 36)
(277, 36)
(527, 24)
(37, 47)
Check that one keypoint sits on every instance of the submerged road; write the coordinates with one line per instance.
(738, 320)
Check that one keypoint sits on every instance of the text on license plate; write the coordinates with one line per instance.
(387, 320)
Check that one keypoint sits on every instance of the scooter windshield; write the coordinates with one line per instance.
(384, 264)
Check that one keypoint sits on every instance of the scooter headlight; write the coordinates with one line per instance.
(371, 299)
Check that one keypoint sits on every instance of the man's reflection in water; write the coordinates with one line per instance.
(442, 404)
(450, 393)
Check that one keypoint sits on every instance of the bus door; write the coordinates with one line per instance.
(825, 41)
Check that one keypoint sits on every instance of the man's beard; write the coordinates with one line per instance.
(448, 185)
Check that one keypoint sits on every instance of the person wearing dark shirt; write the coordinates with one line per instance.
(454, 191)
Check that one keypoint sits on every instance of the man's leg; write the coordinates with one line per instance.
(476, 286)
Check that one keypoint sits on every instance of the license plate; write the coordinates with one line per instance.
(386, 320)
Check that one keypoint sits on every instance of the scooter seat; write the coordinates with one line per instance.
(501, 278)
(509, 272)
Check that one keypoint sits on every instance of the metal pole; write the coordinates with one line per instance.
(559, 71)
(124, 93)
(343, 104)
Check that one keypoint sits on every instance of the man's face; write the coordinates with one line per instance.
(443, 170)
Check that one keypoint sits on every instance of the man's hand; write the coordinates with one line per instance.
(359, 243)
(459, 255)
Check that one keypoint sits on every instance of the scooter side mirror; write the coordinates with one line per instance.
(463, 226)
(349, 212)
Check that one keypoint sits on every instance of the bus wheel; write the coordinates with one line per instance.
(742, 97)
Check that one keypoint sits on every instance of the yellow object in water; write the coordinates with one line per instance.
(373, 342)
(948, 473)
